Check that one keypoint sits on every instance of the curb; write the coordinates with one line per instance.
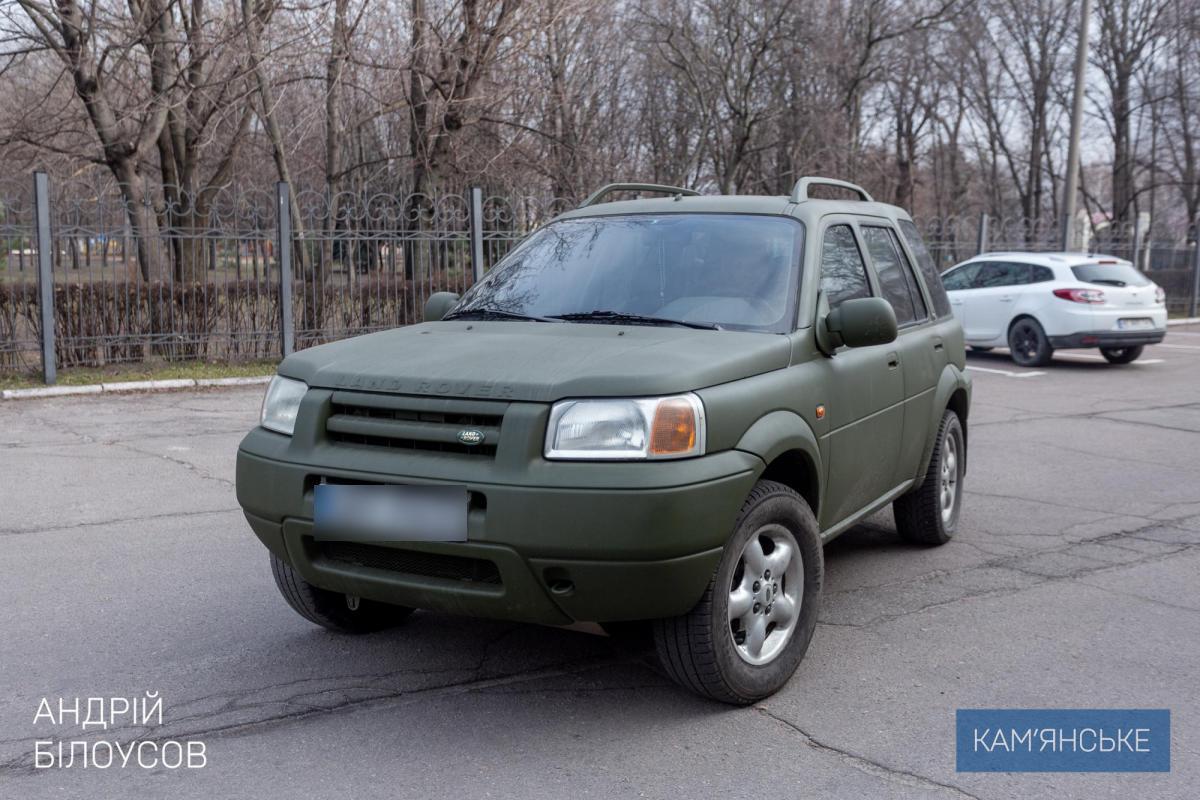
(130, 386)
(1184, 321)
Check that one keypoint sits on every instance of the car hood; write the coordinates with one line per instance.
(537, 361)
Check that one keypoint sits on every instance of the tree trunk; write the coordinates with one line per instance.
(419, 142)
(1122, 169)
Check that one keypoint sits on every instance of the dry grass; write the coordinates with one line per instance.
(82, 376)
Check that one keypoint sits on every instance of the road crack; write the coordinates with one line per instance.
(869, 766)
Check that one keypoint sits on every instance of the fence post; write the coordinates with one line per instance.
(477, 232)
(1137, 245)
(1194, 307)
(981, 244)
(283, 207)
(41, 194)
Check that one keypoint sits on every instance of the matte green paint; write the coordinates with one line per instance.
(864, 322)
(634, 539)
(536, 361)
(438, 305)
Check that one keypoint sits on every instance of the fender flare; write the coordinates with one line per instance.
(782, 431)
(951, 381)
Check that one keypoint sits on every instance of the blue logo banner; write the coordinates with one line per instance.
(1063, 740)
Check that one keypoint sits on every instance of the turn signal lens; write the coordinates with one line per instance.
(1094, 296)
(674, 429)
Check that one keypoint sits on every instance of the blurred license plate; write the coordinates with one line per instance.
(1135, 324)
(390, 513)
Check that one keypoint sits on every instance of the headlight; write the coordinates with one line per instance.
(281, 404)
(660, 427)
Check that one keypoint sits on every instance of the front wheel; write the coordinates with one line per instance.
(929, 514)
(1028, 343)
(1122, 355)
(333, 610)
(753, 624)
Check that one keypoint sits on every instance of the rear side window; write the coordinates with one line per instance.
(1001, 273)
(1042, 274)
(1110, 274)
(896, 279)
(933, 281)
(960, 278)
(843, 273)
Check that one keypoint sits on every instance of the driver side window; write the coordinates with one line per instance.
(843, 271)
(960, 278)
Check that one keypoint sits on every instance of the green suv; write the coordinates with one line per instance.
(654, 410)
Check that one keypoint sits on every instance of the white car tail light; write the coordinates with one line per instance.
(1160, 296)
(1080, 295)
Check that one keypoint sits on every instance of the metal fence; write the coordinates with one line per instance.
(191, 277)
(200, 277)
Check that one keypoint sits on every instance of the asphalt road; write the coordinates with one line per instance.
(1073, 582)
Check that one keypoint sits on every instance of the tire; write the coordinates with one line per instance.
(922, 515)
(700, 649)
(333, 610)
(981, 349)
(1122, 355)
(1028, 343)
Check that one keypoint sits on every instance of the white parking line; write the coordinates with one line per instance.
(1087, 356)
(1181, 346)
(1005, 372)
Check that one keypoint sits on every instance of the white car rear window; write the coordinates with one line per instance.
(1111, 274)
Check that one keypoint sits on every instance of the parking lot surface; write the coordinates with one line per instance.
(1072, 582)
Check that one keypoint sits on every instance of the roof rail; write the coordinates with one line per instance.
(608, 189)
(800, 191)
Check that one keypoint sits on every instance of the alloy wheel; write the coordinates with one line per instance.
(949, 477)
(765, 594)
(1025, 340)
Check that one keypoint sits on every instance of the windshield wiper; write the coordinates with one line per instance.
(617, 317)
(495, 313)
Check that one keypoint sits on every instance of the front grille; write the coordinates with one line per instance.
(414, 423)
(411, 562)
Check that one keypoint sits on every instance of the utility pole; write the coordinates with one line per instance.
(1072, 184)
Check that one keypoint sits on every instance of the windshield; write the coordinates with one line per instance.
(1110, 274)
(707, 270)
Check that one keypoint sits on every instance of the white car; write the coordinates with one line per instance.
(1033, 303)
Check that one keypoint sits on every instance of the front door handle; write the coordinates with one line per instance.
(893, 360)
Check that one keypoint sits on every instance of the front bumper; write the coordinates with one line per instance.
(1108, 338)
(557, 542)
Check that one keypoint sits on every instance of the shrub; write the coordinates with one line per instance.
(104, 322)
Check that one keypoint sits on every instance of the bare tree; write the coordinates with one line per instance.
(1182, 106)
(1130, 32)
(100, 52)
(945, 106)
(1019, 55)
(198, 64)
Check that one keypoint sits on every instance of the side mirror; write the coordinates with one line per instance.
(438, 304)
(862, 322)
